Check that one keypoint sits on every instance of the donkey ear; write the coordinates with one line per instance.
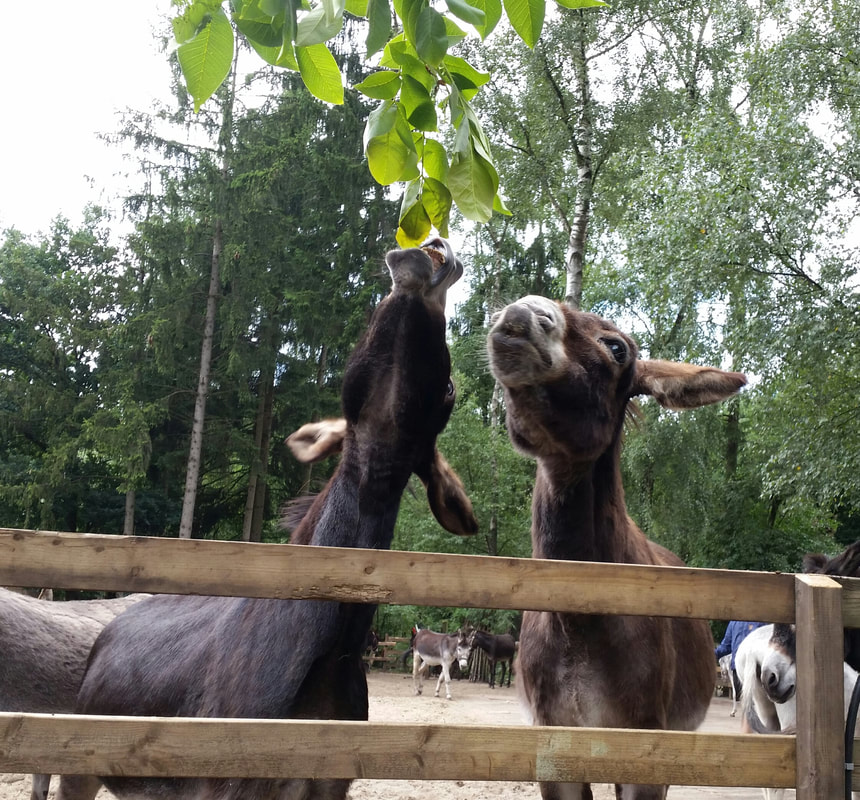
(448, 499)
(679, 386)
(813, 562)
(317, 440)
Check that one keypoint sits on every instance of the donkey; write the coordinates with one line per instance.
(500, 649)
(568, 378)
(268, 658)
(431, 649)
(44, 649)
(847, 565)
(766, 662)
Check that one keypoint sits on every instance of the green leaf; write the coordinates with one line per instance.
(499, 206)
(333, 10)
(277, 56)
(437, 202)
(468, 13)
(195, 17)
(383, 85)
(455, 32)
(316, 27)
(431, 37)
(267, 34)
(414, 224)
(417, 104)
(471, 185)
(391, 155)
(402, 54)
(379, 28)
(526, 17)
(410, 11)
(358, 8)
(581, 3)
(273, 7)
(205, 60)
(465, 76)
(320, 73)
(492, 12)
(380, 121)
(435, 161)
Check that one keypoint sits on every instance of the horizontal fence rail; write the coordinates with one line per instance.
(150, 746)
(300, 748)
(192, 566)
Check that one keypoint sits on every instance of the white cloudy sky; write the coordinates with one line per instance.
(67, 69)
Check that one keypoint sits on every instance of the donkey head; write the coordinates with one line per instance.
(569, 375)
(464, 649)
(779, 668)
(398, 394)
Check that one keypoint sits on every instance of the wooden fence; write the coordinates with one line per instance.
(812, 761)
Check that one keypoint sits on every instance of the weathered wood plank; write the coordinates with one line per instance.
(122, 563)
(819, 688)
(316, 749)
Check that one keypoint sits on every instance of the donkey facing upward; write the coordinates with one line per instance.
(568, 378)
(239, 657)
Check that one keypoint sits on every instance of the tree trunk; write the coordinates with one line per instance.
(579, 126)
(195, 450)
(252, 524)
(192, 472)
(582, 143)
(128, 522)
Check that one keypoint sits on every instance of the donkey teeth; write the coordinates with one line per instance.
(436, 256)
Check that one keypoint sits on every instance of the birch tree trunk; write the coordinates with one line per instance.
(576, 114)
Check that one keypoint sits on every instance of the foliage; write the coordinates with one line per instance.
(418, 78)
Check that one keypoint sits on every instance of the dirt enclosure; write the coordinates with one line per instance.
(392, 700)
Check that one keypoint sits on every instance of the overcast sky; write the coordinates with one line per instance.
(67, 69)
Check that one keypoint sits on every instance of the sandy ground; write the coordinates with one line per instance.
(392, 700)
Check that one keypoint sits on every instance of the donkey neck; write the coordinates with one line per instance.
(580, 516)
(361, 503)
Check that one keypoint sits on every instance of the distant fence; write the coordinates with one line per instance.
(812, 761)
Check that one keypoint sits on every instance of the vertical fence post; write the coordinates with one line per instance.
(820, 714)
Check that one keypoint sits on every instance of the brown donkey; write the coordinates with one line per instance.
(568, 378)
(237, 657)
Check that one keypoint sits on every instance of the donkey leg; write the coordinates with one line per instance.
(417, 673)
(41, 784)
(638, 791)
(565, 791)
(78, 787)
(447, 676)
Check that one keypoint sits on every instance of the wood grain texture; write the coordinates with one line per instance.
(820, 712)
(182, 566)
(317, 749)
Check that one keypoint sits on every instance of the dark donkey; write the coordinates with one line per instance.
(847, 565)
(239, 657)
(500, 649)
(44, 648)
(568, 378)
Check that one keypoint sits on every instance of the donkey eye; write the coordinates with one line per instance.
(450, 390)
(617, 348)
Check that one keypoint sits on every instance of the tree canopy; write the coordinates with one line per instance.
(691, 172)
